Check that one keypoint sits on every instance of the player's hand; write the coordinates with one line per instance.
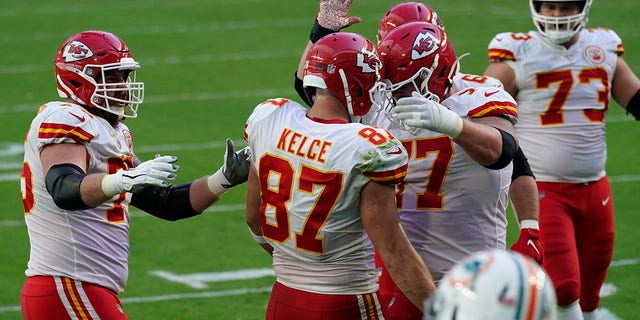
(234, 170)
(236, 164)
(334, 14)
(529, 244)
(419, 112)
(156, 172)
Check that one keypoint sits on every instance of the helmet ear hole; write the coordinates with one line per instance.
(75, 83)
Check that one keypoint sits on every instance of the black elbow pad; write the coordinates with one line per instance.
(63, 184)
(521, 166)
(509, 148)
(634, 106)
(169, 203)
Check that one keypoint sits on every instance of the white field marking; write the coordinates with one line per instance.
(140, 214)
(15, 176)
(170, 60)
(177, 296)
(605, 314)
(10, 166)
(11, 149)
(214, 208)
(10, 177)
(608, 289)
(203, 96)
(624, 262)
(161, 30)
(200, 280)
(31, 10)
(210, 294)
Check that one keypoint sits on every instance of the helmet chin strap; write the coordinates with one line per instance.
(347, 96)
(454, 69)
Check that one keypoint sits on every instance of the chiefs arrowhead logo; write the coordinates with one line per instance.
(424, 45)
(594, 54)
(368, 61)
(75, 51)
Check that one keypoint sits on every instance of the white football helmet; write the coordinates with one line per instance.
(493, 284)
(559, 29)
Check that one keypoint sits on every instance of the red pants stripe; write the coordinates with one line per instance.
(53, 297)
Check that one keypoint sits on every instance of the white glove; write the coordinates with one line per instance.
(234, 170)
(334, 14)
(156, 172)
(419, 112)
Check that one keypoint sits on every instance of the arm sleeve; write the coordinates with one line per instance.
(168, 203)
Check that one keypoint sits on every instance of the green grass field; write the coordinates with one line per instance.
(206, 64)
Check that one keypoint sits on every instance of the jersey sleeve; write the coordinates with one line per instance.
(65, 125)
(504, 46)
(483, 102)
(467, 80)
(609, 40)
(260, 112)
(384, 160)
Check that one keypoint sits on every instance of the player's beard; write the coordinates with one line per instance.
(112, 118)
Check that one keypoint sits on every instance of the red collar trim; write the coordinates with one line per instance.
(327, 121)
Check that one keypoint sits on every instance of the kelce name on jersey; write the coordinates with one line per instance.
(301, 145)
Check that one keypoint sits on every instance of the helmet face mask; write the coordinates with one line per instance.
(560, 29)
(96, 70)
(347, 65)
(419, 55)
(493, 284)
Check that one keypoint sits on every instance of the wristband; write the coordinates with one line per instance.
(257, 238)
(318, 31)
(216, 183)
(529, 224)
(112, 184)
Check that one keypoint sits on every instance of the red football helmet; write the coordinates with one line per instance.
(406, 12)
(348, 65)
(81, 63)
(419, 53)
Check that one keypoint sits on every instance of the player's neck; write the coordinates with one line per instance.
(327, 107)
(572, 41)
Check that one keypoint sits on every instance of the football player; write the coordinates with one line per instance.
(563, 76)
(81, 174)
(321, 191)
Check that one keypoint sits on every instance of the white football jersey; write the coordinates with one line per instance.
(468, 80)
(451, 206)
(89, 245)
(311, 173)
(563, 96)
